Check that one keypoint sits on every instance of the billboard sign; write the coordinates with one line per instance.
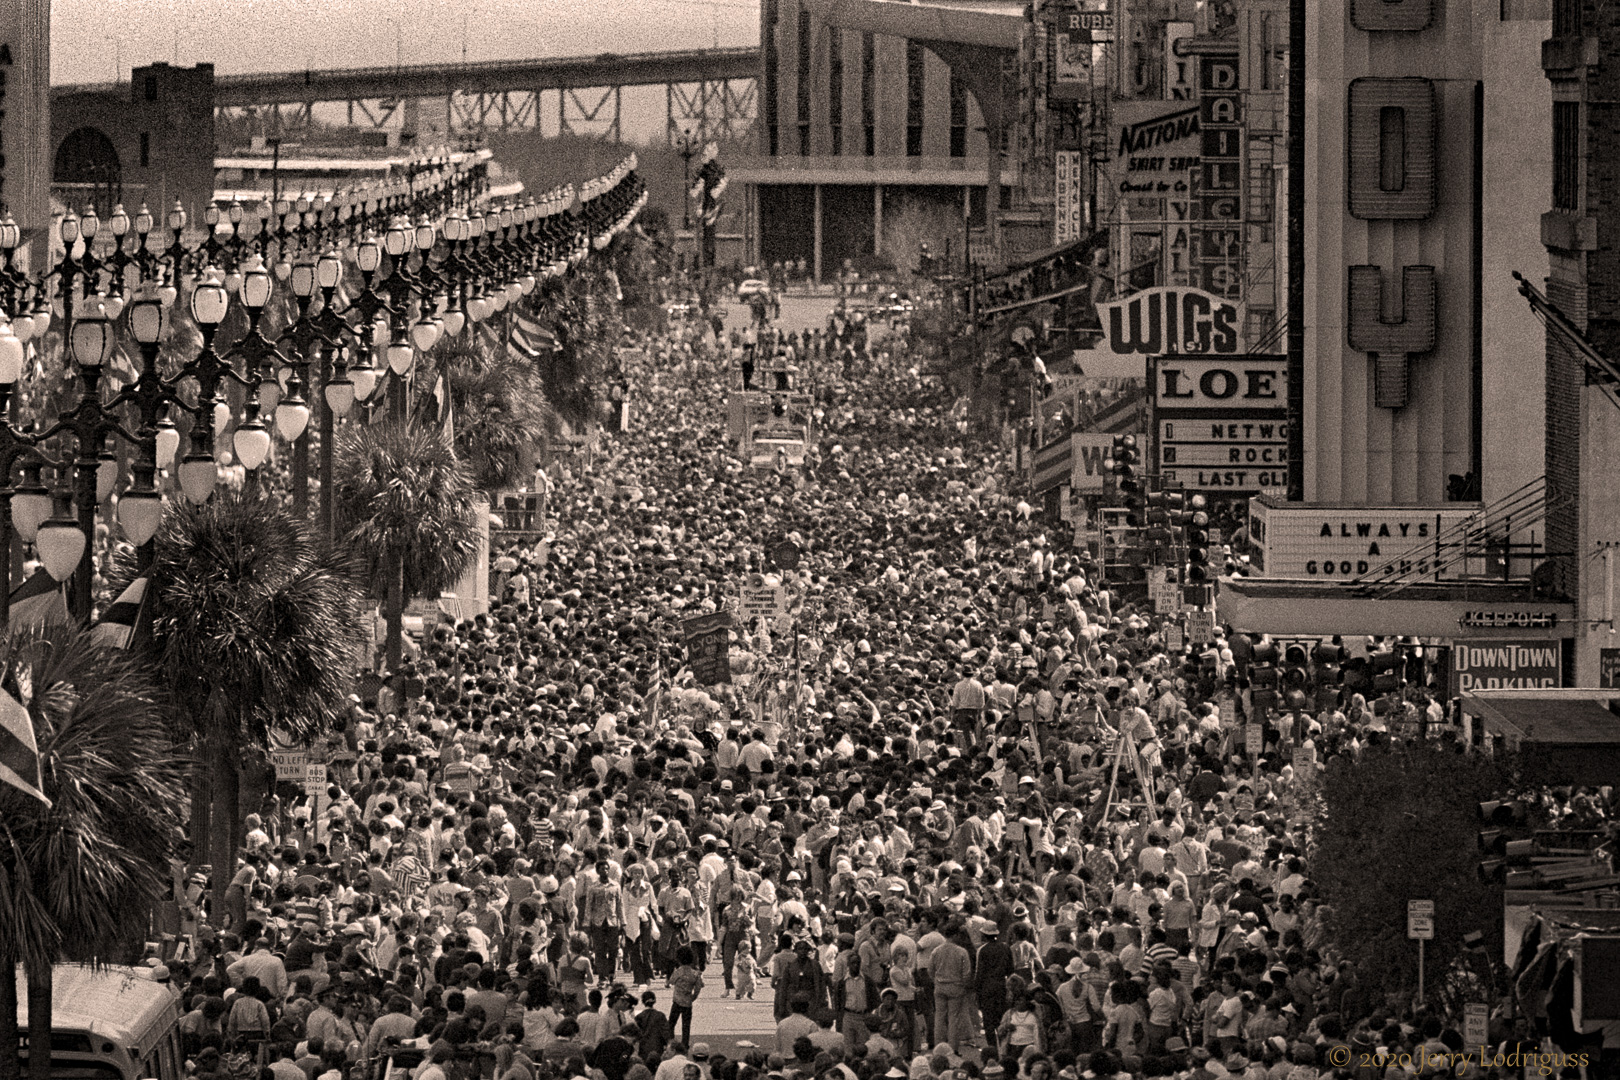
(1069, 197)
(1152, 177)
(1221, 385)
(1091, 449)
(1336, 543)
(1504, 664)
(1170, 320)
(1221, 423)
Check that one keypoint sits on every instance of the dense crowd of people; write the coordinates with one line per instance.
(959, 813)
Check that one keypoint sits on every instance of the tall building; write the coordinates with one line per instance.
(25, 117)
(870, 143)
(1426, 142)
(1581, 197)
(148, 141)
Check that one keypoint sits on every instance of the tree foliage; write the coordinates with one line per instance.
(78, 878)
(581, 310)
(1401, 824)
(402, 496)
(248, 606)
(498, 401)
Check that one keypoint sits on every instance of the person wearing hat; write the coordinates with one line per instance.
(801, 979)
(991, 967)
(1082, 1009)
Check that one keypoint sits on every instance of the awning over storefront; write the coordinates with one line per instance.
(1446, 610)
(1573, 734)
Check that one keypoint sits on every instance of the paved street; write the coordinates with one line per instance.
(725, 1023)
(799, 313)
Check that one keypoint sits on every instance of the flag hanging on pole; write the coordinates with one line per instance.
(530, 338)
(38, 601)
(441, 397)
(124, 618)
(19, 753)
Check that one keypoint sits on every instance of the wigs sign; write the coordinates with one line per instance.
(1163, 320)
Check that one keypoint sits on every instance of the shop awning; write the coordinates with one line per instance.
(1576, 717)
(1562, 736)
(1289, 608)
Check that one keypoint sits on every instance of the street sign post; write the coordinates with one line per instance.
(1476, 1024)
(1420, 928)
(315, 778)
(290, 764)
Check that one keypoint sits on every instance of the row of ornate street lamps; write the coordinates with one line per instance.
(434, 257)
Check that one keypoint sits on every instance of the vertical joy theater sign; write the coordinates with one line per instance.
(1393, 176)
(1167, 319)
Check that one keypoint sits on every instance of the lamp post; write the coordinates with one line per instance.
(687, 145)
(63, 539)
(491, 261)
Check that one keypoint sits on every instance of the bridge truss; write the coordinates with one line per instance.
(710, 93)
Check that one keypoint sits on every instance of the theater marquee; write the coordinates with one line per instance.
(1340, 544)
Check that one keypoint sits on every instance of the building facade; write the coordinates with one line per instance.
(869, 142)
(149, 141)
(1581, 60)
(25, 119)
(1423, 146)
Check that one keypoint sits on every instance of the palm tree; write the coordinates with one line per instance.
(78, 879)
(254, 623)
(406, 508)
(499, 410)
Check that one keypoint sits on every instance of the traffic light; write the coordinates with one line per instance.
(1242, 646)
(1127, 474)
(1357, 676)
(1160, 533)
(1294, 675)
(1325, 666)
(1386, 667)
(1263, 676)
(1195, 530)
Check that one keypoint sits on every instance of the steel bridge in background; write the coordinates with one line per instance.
(710, 92)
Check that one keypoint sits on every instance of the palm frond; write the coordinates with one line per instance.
(403, 497)
(500, 407)
(77, 879)
(248, 605)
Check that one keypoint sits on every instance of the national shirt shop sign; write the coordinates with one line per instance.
(1342, 544)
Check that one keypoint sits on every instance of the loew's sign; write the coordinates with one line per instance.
(1221, 384)
(1222, 422)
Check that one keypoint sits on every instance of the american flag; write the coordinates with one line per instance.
(19, 753)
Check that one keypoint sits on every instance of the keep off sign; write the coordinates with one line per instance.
(1420, 920)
